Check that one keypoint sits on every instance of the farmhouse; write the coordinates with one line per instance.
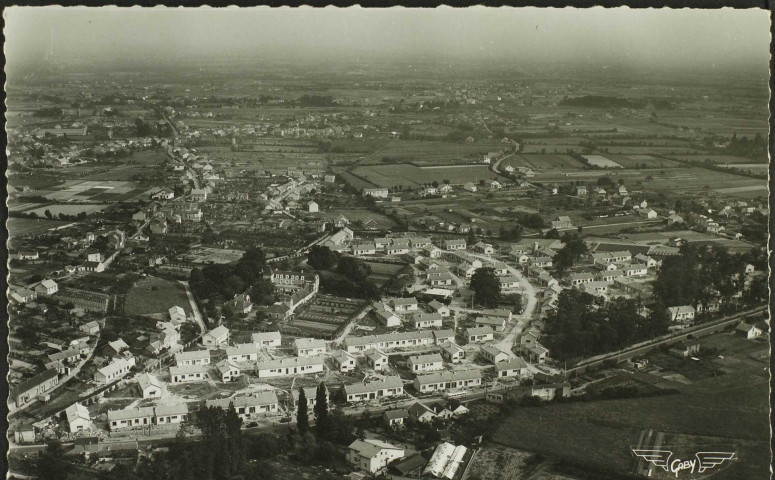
(46, 287)
(289, 366)
(425, 363)
(445, 380)
(188, 373)
(390, 386)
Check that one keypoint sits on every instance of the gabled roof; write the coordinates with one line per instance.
(393, 381)
(515, 363)
(218, 331)
(448, 376)
(148, 380)
(370, 448)
(396, 414)
(429, 358)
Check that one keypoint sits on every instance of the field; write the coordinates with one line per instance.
(722, 409)
(55, 209)
(20, 227)
(718, 159)
(206, 255)
(498, 463)
(382, 272)
(601, 161)
(325, 316)
(96, 191)
(411, 176)
(151, 295)
(431, 153)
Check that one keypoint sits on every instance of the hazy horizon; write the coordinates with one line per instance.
(658, 38)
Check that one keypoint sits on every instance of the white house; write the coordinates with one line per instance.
(425, 363)
(228, 370)
(516, 367)
(432, 382)
(78, 418)
(266, 339)
(289, 366)
(312, 206)
(46, 287)
(150, 386)
(404, 305)
(344, 361)
(479, 334)
(426, 320)
(216, 337)
(309, 347)
(440, 308)
(188, 373)
(493, 354)
(244, 352)
(681, 313)
(390, 386)
(452, 352)
(748, 331)
(114, 370)
(194, 357)
(376, 359)
(373, 455)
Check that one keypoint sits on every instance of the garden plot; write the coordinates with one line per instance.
(601, 161)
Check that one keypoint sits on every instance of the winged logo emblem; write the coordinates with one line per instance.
(708, 460)
(660, 458)
(701, 462)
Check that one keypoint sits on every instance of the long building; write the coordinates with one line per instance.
(289, 366)
(391, 386)
(433, 382)
(258, 403)
(388, 341)
(145, 416)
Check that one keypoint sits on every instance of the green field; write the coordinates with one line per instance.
(729, 409)
(152, 295)
(19, 227)
(411, 176)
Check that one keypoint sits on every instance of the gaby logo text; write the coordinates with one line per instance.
(701, 462)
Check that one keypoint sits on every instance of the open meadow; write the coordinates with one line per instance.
(152, 295)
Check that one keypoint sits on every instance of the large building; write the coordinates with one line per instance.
(433, 382)
(289, 366)
(391, 386)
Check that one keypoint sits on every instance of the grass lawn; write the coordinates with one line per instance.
(732, 408)
(155, 295)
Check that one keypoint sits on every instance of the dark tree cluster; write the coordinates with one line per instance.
(486, 287)
(568, 255)
(224, 281)
(583, 325)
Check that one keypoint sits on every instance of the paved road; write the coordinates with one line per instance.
(527, 312)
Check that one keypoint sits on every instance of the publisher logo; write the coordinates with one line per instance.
(701, 463)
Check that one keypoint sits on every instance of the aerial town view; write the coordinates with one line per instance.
(462, 244)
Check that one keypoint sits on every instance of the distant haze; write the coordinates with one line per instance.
(622, 37)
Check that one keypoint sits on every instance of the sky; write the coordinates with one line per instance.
(659, 37)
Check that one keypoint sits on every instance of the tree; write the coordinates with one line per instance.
(321, 408)
(486, 287)
(553, 233)
(51, 463)
(302, 420)
(321, 257)
(569, 254)
(47, 213)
